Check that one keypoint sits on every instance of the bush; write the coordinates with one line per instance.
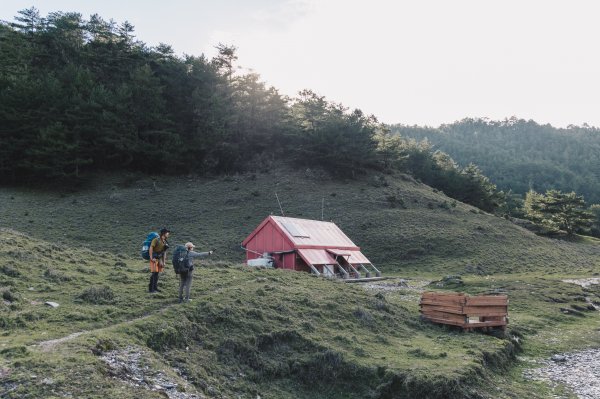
(413, 253)
(395, 202)
(55, 276)
(97, 295)
(9, 296)
(9, 270)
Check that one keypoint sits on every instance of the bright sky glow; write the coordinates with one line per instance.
(415, 62)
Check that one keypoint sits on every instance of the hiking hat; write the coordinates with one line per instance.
(189, 244)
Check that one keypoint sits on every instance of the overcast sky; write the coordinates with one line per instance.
(421, 62)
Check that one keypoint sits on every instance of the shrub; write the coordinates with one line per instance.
(9, 296)
(9, 270)
(363, 316)
(413, 253)
(55, 275)
(97, 295)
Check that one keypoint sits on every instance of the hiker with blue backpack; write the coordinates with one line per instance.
(183, 263)
(154, 249)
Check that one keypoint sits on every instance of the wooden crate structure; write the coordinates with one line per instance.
(467, 312)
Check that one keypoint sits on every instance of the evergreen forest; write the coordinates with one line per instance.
(520, 155)
(81, 96)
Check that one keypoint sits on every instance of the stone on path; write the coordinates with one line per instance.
(558, 358)
(52, 304)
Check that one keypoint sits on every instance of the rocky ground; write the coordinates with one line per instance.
(129, 366)
(584, 282)
(408, 290)
(579, 371)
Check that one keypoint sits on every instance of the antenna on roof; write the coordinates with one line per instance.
(276, 196)
(322, 207)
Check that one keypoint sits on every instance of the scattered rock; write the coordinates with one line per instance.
(572, 312)
(52, 304)
(126, 365)
(47, 381)
(583, 282)
(475, 269)
(409, 290)
(402, 283)
(450, 281)
(580, 371)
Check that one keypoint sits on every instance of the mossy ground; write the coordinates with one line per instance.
(276, 333)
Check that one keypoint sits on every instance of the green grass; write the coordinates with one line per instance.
(276, 334)
(116, 213)
(289, 334)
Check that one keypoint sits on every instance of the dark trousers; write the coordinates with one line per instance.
(153, 286)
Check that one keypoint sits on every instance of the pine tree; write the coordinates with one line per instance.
(564, 211)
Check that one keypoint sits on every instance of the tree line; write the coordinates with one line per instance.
(78, 96)
(520, 155)
(546, 172)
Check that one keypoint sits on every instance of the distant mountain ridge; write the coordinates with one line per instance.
(518, 154)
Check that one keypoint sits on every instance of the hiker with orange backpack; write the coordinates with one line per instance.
(158, 254)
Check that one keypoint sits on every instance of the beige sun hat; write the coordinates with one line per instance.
(189, 245)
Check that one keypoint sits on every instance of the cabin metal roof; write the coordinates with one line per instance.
(305, 233)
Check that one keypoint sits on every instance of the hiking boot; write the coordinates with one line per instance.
(188, 300)
(157, 290)
(180, 300)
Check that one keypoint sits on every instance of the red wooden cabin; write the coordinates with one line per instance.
(308, 245)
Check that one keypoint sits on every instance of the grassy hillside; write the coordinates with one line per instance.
(274, 334)
(247, 333)
(401, 225)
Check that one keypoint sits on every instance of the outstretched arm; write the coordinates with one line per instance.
(194, 254)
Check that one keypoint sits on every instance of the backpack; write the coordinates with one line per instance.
(146, 245)
(181, 262)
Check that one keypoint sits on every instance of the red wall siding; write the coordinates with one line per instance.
(269, 239)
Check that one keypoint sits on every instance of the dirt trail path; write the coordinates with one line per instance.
(46, 346)
(49, 345)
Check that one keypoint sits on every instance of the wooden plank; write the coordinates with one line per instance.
(448, 300)
(445, 316)
(439, 302)
(443, 297)
(486, 300)
(486, 324)
(446, 309)
(468, 303)
(485, 310)
(485, 314)
(494, 318)
(449, 322)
